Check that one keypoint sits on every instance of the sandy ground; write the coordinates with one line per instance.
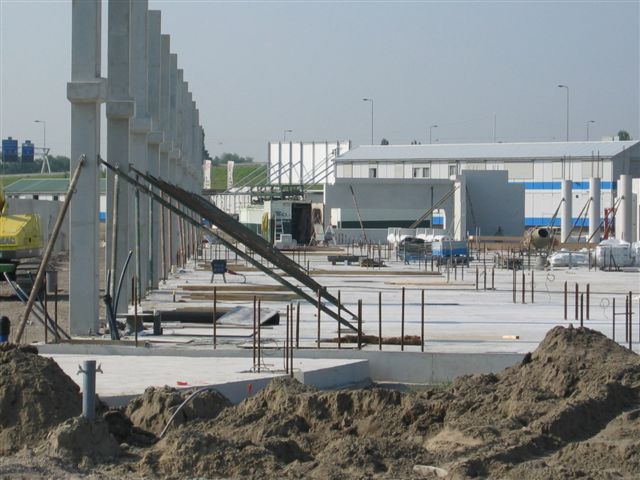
(570, 409)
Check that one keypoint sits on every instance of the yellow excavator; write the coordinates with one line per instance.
(20, 237)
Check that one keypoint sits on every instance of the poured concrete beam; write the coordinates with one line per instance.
(86, 91)
(120, 108)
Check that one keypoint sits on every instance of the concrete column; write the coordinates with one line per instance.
(120, 109)
(566, 209)
(166, 146)
(460, 208)
(140, 128)
(624, 229)
(594, 209)
(154, 139)
(85, 91)
(174, 155)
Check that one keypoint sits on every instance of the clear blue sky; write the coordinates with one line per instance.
(258, 68)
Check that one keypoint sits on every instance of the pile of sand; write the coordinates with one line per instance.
(577, 393)
(35, 395)
(152, 410)
(570, 409)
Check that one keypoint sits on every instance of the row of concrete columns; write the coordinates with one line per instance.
(153, 126)
(623, 214)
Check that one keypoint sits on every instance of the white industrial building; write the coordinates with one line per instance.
(539, 167)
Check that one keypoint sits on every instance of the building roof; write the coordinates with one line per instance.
(485, 151)
(43, 186)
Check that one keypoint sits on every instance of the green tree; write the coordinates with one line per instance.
(384, 142)
(624, 135)
(230, 157)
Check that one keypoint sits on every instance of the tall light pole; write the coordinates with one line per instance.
(565, 86)
(44, 124)
(285, 134)
(588, 122)
(370, 100)
(431, 132)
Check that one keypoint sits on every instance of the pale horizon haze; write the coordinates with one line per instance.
(257, 69)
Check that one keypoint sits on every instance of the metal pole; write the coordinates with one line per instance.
(524, 287)
(259, 340)
(533, 289)
(588, 299)
(566, 294)
(582, 309)
(88, 369)
(254, 331)
(46, 311)
(55, 314)
(135, 314)
(576, 301)
(613, 319)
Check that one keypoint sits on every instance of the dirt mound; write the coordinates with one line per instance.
(35, 395)
(566, 391)
(81, 441)
(152, 410)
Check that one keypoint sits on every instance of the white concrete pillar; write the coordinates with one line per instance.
(594, 209)
(624, 229)
(566, 210)
(166, 146)
(460, 208)
(174, 156)
(120, 109)
(154, 139)
(85, 91)
(140, 127)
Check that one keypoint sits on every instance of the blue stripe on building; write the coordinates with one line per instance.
(557, 185)
(546, 222)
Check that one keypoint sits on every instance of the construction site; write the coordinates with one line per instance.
(400, 312)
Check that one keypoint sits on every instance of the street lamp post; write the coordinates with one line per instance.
(285, 135)
(565, 86)
(588, 122)
(370, 100)
(44, 125)
(431, 132)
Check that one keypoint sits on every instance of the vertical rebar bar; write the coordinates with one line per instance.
(259, 339)
(577, 295)
(379, 320)
(55, 314)
(533, 287)
(135, 312)
(484, 275)
(582, 309)
(215, 317)
(524, 287)
(298, 325)
(402, 323)
(254, 331)
(566, 294)
(493, 278)
(319, 313)
(339, 320)
(613, 317)
(360, 324)
(588, 299)
(422, 323)
(477, 278)
(46, 311)
(285, 350)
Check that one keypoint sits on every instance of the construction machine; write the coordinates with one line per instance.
(20, 237)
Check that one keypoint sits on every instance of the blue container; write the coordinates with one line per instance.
(28, 151)
(9, 150)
